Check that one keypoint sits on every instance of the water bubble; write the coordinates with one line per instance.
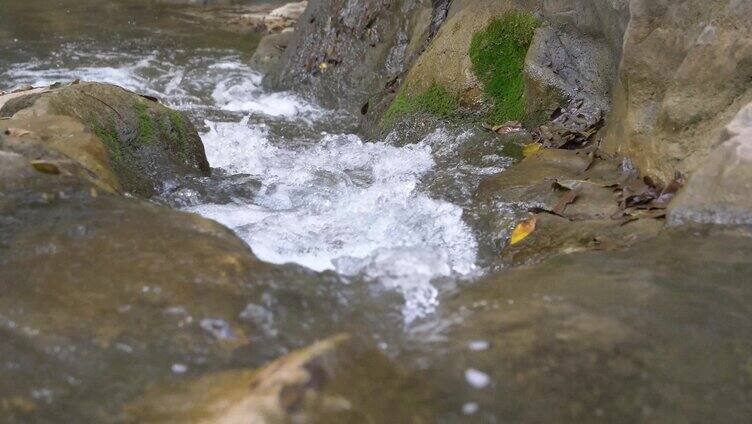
(219, 328)
(470, 408)
(477, 379)
(478, 345)
(179, 368)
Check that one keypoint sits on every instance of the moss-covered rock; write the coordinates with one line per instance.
(147, 143)
(498, 56)
(64, 142)
(446, 60)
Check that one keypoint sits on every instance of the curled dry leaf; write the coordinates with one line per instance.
(523, 230)
(17, 132)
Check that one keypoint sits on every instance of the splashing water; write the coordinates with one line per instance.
(328, 200)
(342, 204)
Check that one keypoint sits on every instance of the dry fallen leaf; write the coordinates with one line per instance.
(508, 127)
(17, 132)
(530, 149)
(46, 167)
(323, 66)
(522, 230)
(566, 200)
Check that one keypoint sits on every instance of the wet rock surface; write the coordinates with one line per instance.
(348, 53)
(331, 381)
(718, 192)
(657, 332)
(579, 307)
(684, 75)
(571, 197)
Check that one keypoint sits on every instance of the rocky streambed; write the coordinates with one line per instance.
(334, 231)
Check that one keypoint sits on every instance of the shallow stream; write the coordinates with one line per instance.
(390, 224)
(290, 178)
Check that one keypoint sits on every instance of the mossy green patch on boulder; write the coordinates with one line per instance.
(435, 100)
(498, 56)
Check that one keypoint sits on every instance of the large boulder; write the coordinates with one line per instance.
(575, 56)
(684, 74)
(719, 191)
(62, 139)
(446, 61)
(148, 144)
(346, 53)
(267, 55)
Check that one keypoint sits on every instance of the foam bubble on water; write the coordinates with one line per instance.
(477, 379)
(346, 205)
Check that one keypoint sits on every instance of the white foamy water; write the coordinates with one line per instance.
(338, 203)
(327, 201)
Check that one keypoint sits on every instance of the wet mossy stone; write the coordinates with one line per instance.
(435, 100)
(148, 143)
(498, 57)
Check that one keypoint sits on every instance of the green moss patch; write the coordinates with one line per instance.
(435, 100)
(146, 127)
(498, 56)
(110, 138)
(178, 134)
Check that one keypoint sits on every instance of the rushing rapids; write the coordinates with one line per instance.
(316, 196)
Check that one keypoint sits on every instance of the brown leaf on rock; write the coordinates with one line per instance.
(571, 127)
(568, 198)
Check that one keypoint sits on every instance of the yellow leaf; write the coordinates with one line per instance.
(522, 230)
(530, 149)
(45, 167)
(323, 66)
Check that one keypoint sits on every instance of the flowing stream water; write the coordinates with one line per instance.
(299, 186)
(392, 227)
